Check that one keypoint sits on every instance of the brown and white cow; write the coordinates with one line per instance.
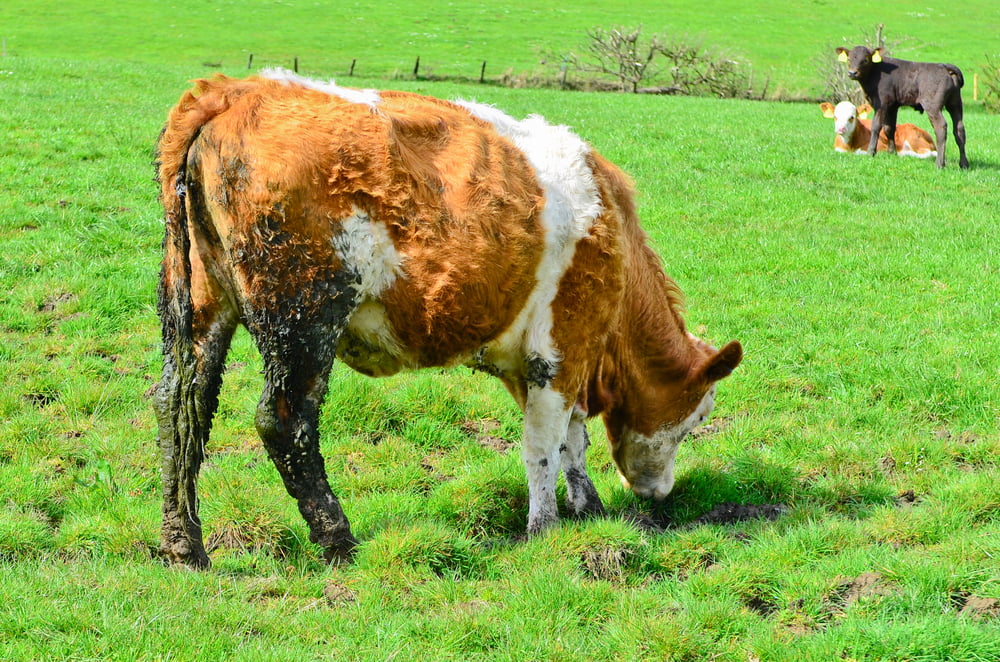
(395, 231)
(853, 132)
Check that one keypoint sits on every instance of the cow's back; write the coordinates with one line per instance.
(433, 217)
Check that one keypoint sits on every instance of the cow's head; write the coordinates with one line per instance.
(858, 60)
(845, 116)
(645, 459)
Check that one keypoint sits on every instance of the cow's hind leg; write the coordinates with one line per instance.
(958, 128)
(184, 402)
(940, 133)
(298, 353)
(581, 495)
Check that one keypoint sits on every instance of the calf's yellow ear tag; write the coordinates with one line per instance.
(843, 56)
(877, 55)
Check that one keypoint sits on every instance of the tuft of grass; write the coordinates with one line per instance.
(428, 548)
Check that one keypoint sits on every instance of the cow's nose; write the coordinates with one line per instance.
(853, 75)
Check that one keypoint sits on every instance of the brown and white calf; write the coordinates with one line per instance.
(853, 132)
(396, 231)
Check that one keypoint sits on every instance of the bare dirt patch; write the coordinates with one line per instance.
(717, 424)
(850, 590)
(53, 302)
(430, 464)
(338, 594)
(605, 563)
(482, 431)
(978, 609)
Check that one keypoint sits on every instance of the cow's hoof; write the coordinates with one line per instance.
(590, 510)
(182, 552)
(342, 551)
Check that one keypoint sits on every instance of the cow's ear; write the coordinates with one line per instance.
(827, 109)
(863, 111)
(877, 55)
(842, 54)
(723, 362)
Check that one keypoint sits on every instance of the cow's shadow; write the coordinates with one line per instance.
(706, 495)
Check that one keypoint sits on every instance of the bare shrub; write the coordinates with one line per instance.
(990, 77)
(661, 66)
(619, 53)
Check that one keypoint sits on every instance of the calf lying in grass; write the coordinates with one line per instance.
(853, 132)
(890, 83)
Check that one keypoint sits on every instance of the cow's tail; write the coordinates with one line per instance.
(182, 416)
(956, 74)
(196, 108)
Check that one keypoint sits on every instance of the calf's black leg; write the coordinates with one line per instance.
(877, 123)
(889, 127)
(940, 133)
(958, 127)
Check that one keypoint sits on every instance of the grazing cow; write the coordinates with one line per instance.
(854, 131)
(890, 83)
(395, 231)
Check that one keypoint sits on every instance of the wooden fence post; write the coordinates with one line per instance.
(482, 72)
(250, 61)
(295, 66)
(353, 62)
(416, 67)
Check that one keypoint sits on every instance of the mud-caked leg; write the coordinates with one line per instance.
(287, 421)
(581, 495)
(185, 402)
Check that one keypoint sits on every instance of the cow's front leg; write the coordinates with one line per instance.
(889, 128)
(581, 495)
(877, 124)
(546, 420)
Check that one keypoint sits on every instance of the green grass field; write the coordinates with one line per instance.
(863, 421)
(517, 38)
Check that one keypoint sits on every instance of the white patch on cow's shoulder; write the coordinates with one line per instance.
(572, 202)
(366, 248)
(367, 97)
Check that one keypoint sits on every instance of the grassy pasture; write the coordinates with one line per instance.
(865, 292)
(517, 38)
